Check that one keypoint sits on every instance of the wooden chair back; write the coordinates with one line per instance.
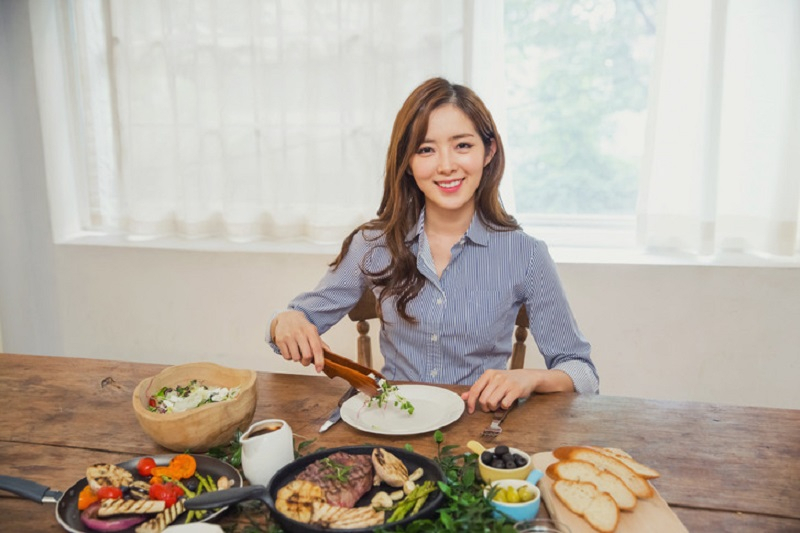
(367, 309)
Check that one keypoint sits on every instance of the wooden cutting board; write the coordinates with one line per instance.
(652, 514)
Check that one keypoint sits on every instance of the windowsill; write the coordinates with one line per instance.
(562, 252)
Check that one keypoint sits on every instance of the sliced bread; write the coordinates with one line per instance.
(623, 456)
(636, 483)
(574, 470)
(596, 507)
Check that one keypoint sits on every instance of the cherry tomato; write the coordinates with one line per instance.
(146, 464)
(166, 492)
(177, 491)
(109, 493)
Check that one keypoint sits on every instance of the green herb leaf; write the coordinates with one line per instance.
(336, 470)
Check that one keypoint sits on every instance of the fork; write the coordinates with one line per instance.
(493, 430)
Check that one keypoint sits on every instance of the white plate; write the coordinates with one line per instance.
(434, 407)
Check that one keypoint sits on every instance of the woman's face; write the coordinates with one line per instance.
(448, 165)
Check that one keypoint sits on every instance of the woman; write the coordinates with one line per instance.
(449, 266)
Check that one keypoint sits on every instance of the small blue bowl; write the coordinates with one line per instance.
(517, 511)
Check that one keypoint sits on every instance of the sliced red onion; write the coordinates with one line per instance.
(91, 520)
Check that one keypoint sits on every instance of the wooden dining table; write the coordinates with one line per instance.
(723, 467)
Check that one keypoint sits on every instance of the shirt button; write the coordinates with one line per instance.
(434, 337)
(434, 372)
(439, 301)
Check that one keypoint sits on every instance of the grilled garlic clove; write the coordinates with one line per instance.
(381, 500)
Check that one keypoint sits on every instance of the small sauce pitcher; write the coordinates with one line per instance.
(267, 446)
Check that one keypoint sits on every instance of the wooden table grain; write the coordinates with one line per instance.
(723, 468)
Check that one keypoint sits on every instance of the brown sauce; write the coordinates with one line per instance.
(263, 430)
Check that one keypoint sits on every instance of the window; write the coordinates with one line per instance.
(577, 74)
(622, 119)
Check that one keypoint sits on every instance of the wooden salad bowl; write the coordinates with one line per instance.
(204, 427)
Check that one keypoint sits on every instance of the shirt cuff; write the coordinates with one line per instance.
(583, 376)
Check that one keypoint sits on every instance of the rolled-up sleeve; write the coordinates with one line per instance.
(553, 325)
(335, 294)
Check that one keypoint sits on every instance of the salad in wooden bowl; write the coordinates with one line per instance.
(195, 406)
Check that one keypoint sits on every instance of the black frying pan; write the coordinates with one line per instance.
(288, 473)
(67, 512)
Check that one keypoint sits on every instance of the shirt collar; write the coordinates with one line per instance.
(477, 232)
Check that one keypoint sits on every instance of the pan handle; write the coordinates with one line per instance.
(219, 498)
(29, 489)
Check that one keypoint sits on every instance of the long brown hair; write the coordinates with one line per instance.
(403, 201)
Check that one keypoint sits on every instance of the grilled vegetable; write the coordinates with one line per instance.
(91, 520)
(296, 500)
(389, 468)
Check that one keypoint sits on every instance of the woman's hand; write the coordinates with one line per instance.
(298, 339)
(499, 388)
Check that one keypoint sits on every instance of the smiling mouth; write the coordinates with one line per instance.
(451, 184)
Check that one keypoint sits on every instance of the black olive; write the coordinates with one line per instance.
(511, 464)
(519, 460)
(498, 463)
(191, 483)
(487, 457)
(507, 457)
(501, 450)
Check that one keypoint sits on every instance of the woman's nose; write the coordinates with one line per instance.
(446, 164)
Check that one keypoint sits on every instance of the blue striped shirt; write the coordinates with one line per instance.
(466, 317)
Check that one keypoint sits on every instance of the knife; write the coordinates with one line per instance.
(336, 414)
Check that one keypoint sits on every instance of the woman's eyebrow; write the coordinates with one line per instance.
(453, 138)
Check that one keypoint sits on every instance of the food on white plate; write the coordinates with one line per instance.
(343, 477)
(296, 499)
(389, 468)
(184, 397)
(636, 483)
(575, 470)
(624, 457)
(388, 393)
(105, 475)
(595, 506)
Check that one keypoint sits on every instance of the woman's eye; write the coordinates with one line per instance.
(464, 146)
(425, 150)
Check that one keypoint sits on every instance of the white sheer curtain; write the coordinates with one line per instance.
(722, 169)
(251, 119)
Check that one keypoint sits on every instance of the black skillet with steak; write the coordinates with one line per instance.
(336, 489)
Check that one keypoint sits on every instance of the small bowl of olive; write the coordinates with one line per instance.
(517, 499)
(501, 462)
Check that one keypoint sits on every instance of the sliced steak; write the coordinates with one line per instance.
(344, 477)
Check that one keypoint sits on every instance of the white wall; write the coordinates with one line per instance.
(720, 334)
